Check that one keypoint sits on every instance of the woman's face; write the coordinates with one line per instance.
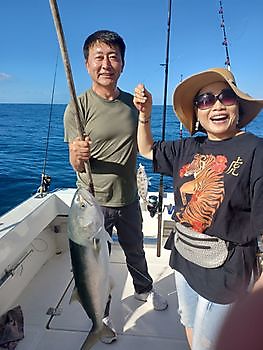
(219, 121)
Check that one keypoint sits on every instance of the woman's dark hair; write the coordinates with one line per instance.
(107, 37)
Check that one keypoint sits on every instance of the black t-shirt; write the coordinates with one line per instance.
(218, 189)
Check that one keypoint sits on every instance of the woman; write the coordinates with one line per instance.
(218, 190)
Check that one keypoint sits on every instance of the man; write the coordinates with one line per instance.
(110, 123)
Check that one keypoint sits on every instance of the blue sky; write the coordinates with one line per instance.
(29, 44)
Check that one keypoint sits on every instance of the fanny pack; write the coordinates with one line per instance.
(199, 248)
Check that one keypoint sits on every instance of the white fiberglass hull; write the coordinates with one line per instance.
(35, 273)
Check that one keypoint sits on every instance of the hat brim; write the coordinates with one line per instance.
(184, 94)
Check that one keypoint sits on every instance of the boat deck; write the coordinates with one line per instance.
(137, 324)
(35, 273)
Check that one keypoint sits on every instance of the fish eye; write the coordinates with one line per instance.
(82, 204)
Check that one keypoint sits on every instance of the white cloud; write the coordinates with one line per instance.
(4, 76)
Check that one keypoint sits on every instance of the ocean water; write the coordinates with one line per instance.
(23, 143)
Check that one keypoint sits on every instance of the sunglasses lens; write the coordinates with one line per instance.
(227, 97)
(205, 101)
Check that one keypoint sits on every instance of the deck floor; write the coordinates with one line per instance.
(137, 324)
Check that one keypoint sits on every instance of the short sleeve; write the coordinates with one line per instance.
(164, 154)
(70, 127)
(257, 190)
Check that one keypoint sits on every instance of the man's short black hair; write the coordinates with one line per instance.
(107, 37)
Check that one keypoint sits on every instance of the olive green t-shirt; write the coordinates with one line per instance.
(111, 126)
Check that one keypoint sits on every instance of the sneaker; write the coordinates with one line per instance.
(141, 296)
(158, 301)
(109, 334)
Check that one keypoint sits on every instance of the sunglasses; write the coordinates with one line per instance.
(205, 101)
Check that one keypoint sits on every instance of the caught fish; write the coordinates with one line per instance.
(142, 183)
(89, 252)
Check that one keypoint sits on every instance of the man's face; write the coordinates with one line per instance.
(104, 64)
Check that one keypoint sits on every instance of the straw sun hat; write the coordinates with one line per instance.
(184, 94)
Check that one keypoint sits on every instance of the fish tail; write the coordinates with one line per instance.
(91, 339)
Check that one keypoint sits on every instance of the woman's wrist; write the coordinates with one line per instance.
(144, 120)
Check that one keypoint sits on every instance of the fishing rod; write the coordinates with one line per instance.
(225, 42)
(181, 124)
(65, 57)
(46, 179)
(166, 66)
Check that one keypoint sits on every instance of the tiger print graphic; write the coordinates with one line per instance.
(206, 190)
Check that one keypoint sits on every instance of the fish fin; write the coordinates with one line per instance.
(111, 283)
(109, 239)
(107, 236)
(74, 296)
(96, 243)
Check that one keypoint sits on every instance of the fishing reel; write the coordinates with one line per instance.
(152, 205)
(45, 183)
